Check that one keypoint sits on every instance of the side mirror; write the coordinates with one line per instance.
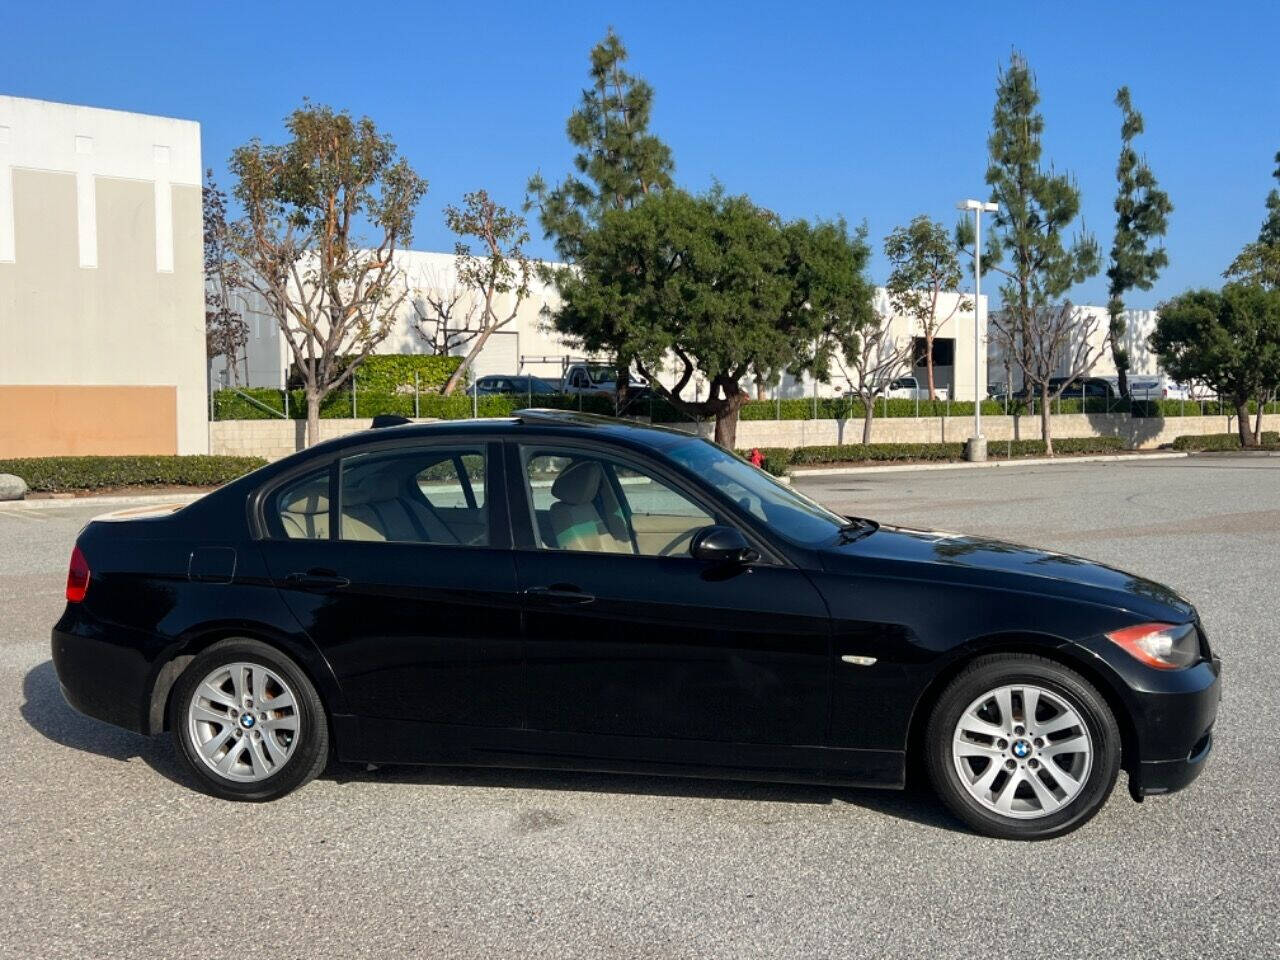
(722, 545)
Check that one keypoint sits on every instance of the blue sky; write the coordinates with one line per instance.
(877, 111)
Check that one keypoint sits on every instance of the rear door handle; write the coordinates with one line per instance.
(559, 593)
(317, 580)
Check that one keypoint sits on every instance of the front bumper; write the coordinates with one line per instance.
(1172, 713)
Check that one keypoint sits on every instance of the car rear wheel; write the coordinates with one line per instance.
(248, 722)
(1021, 747)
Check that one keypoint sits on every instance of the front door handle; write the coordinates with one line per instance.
(562, 593)
(317, 579)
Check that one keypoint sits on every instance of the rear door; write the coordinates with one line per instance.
(396, 560)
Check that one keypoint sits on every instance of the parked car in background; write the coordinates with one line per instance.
(1091, 388)
(574, 592)
(595, 378)
(909, 388)
(497, 384)
(1158, 387)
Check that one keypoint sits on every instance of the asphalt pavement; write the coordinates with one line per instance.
(106, 851)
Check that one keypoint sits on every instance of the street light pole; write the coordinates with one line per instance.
(976, 448)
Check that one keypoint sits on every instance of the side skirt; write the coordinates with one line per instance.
(404, 741)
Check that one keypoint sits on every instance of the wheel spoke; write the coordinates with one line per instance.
(229, 759)
(214, 743)
(282, 702)
(277, 753)
(1076, 744)
(979, 727)
(1063, 721)
(1004, 700)
(261, 765)
(1048, 802)
(983, 783)
(1004, 802)
(967, 748)
(214, 694)
(1030, 703)
(1065, 781)
(206, 715)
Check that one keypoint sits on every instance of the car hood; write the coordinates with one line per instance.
(995, 563)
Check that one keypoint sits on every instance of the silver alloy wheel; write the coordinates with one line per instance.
(243, 721)
(1022, 751)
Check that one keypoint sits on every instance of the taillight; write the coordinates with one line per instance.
(1165, 646)
(77, 576)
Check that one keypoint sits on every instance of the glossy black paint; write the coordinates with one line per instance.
(516, 656)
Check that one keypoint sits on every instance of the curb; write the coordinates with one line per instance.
(801, 473)
(51, 503)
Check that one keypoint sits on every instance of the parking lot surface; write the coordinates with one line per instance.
(106, 851)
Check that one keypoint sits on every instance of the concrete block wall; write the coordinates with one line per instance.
(274, 439)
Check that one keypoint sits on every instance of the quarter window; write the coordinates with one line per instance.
(302, 507)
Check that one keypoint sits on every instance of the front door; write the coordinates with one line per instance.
(630, 638)
(407, 583)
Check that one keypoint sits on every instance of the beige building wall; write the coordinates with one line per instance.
(101, 282)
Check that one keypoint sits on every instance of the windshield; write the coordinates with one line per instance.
(602, 374)
(791, 514)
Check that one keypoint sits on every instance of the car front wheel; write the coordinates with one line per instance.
(248, 722)
(1021, 747)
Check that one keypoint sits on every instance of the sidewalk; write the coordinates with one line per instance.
(800, 473)
(112, 500)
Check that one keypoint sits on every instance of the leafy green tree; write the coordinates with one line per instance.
(1259, 262)
(225, 330)
(1028, 247)
(332, 291)
(924, 265)
(716, 286)
(1229, 340)
(618, 163)
(1142, 214)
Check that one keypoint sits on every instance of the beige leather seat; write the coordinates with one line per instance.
(373, 509)
(304, 513)
(584, 515)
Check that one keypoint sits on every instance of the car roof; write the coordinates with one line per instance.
(529, 422)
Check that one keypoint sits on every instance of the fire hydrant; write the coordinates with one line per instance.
(757, 458)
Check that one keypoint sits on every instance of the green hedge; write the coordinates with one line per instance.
(393, 372)
(236, 405)
(1223, 441)
(62, 474)
(777, 459)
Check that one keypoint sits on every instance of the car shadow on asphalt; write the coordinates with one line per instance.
(46, 712)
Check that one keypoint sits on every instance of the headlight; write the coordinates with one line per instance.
(1165, 646)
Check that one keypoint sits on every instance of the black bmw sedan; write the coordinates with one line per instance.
(564, 591)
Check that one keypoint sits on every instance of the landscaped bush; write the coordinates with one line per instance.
(778, 458)
(847, 408)
(248, 403)
(62, 474)
(1222, 441)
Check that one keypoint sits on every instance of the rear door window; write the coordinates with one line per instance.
(416, 495)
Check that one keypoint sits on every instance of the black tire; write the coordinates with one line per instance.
(986, 674)
(308, 755)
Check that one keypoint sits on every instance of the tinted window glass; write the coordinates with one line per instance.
(415, 495)
(590, 503)
(302, 507)
(789, 513)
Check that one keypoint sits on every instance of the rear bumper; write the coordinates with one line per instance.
(100, 678)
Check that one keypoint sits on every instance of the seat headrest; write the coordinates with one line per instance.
(374, 488)
(306, 500)
(578, 483)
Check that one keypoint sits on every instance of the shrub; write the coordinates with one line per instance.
(61, 474)
(1033, 448)
(1222, 441)
(393, 372)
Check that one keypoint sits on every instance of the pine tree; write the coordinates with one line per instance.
(1037, 207)
(1259, 262)
(1142, 213)
(618, 163)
